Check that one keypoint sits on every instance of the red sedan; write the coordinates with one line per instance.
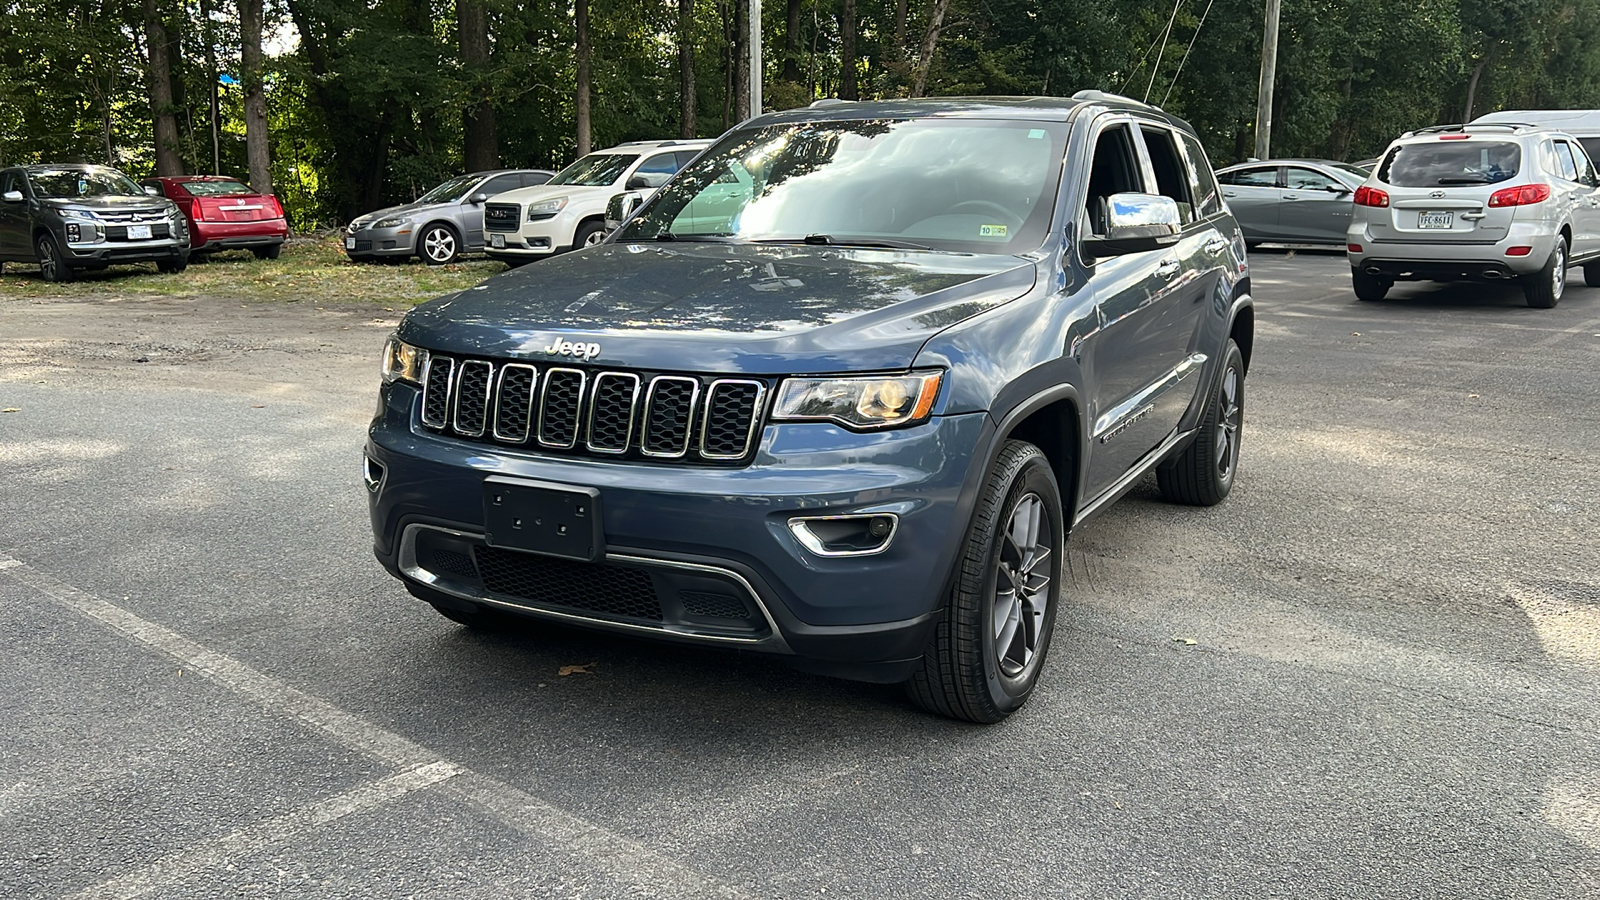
(225, 214)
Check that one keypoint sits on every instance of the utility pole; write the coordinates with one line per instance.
(755, 57)
(1269, 68)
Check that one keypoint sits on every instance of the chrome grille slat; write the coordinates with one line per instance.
(594, 413)
(612, 406)
(561, 408)
(513, 402)
(470, 411)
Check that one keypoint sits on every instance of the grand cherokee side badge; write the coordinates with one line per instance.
(558, 347)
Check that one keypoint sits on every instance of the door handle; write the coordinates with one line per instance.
(1168, 268)
(1229, 194)
(1216, 245)
(1291, 197)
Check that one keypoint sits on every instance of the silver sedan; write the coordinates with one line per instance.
(1291, 201)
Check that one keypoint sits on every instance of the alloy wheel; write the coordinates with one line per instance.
(439, 244)
(1558, 274)
(1022, 586)
(1230, 416)
(49, 262)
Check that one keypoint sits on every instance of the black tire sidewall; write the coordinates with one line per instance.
(580, 237)
(1034, 476)
(63, 273)
(422, 245)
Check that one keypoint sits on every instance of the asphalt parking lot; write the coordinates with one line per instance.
(1374, 671)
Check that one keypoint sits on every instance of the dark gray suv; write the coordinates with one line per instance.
(76, 216)
(837, 393)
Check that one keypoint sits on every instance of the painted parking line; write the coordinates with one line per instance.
(603, 851)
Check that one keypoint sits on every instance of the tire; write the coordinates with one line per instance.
(272, 252)
(1370, 288)
(1591, 275)
(1203, 473)
(171, 266)
(51, 265)
(589, 233)
(1543, 290)
(973, 669)
(438, 245)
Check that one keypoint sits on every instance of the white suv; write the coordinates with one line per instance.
(570, 210)
(1478, 202)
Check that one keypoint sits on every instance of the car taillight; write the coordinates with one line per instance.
(277, 208)
(1367, 196)
(197, 210)
(1521, 195)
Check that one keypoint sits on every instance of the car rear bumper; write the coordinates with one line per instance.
(1421, 261)
(209, 236)
(710, 554)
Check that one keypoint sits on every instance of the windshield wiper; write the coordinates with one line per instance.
(828, 240)
(705, 238)
(1465, 179)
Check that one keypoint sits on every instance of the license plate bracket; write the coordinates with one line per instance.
(1440, 220)
(349, 243)
(138, 232)
(543, 517)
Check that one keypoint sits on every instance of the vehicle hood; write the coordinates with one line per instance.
(545, 191)
(110, 204)
(418, 209)
(723, 308)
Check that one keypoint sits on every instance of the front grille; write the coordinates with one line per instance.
(120, 232)
(601, 413)
(595, 588)
(714, 606)
(501, 216)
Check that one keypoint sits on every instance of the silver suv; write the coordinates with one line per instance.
(1478, 202)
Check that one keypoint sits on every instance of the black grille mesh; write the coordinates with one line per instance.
(453, 563)
(563, 396)
(632, 415)
(501, 216)
(611, 415)
(597, 588)
(729, 412)
(513, 406)
(716, 606)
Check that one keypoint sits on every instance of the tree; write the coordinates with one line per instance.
(686, 88)
(581, 23)
(257, 149)
(481, 145)
(168, 162)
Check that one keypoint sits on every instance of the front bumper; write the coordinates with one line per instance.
(711, 547)
(380, 243)
(105, 253)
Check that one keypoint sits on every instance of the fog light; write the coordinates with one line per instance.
(74, 233)
(372, 475)
(1518, 251)
(859, 535)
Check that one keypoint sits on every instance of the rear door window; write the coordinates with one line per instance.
(1565, 163)
(1451, 163)
(1201, 178)
(1299, 179)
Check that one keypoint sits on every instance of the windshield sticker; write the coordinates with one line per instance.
(991, 231)
(1035, 134)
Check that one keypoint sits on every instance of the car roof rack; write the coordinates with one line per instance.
(1452, 129)
(827, 101)
(1089, 96)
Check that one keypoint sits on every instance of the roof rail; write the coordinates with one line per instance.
(1453, 129)
(827, 101)
(1106, 97)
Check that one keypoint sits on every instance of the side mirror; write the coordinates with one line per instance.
(154, 192)
(1337, 189)
(639, 183)
(621, 207)
(1135, 223)
(12, 196)
(477, 199)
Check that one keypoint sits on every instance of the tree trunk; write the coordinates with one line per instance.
(581, 20)
(791, 41)
(897, 52)
(212, 99)
(256, 147)
(686, 89)
(1472, 85)
(929, 41)
(847, 51)
(168, 162)
(741, 60)
(478, 127)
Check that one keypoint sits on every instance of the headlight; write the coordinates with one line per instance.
(403, 362)
(545, 208)
(873, 401)
(394, 222)
(83, 214)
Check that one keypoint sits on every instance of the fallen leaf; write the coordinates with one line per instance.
(1472, 396)
(1186, 641)
(1355, 334)
(575, 670)
(10, 409)
(258, 406)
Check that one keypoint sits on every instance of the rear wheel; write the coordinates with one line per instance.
(1203, 473)
(1591, 275)
(271, 252)
(1369, 287)
(438, 245)
(51, 264)
(1543, 289)
(984, 656)
(171, 266)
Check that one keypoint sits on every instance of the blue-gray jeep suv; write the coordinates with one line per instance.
(838, 392)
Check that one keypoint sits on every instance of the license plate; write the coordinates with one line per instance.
(1436, 220)
(541, 517)
(497, 240)
(138, 232)
(349, 243)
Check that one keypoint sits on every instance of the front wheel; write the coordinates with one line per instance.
(1543, 289)
(988, 645)
(171, 266)
(438, 245)
(51, 264)
(589, 234)
(1203, 473)
(1369, 287)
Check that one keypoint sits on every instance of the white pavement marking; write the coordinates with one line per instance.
(604, 852)
(211, 854)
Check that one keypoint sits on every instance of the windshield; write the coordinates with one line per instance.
(451, 190)
(214, 188)
(74, 184)
(595, 170)
(1453, 162)
(963, 185)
